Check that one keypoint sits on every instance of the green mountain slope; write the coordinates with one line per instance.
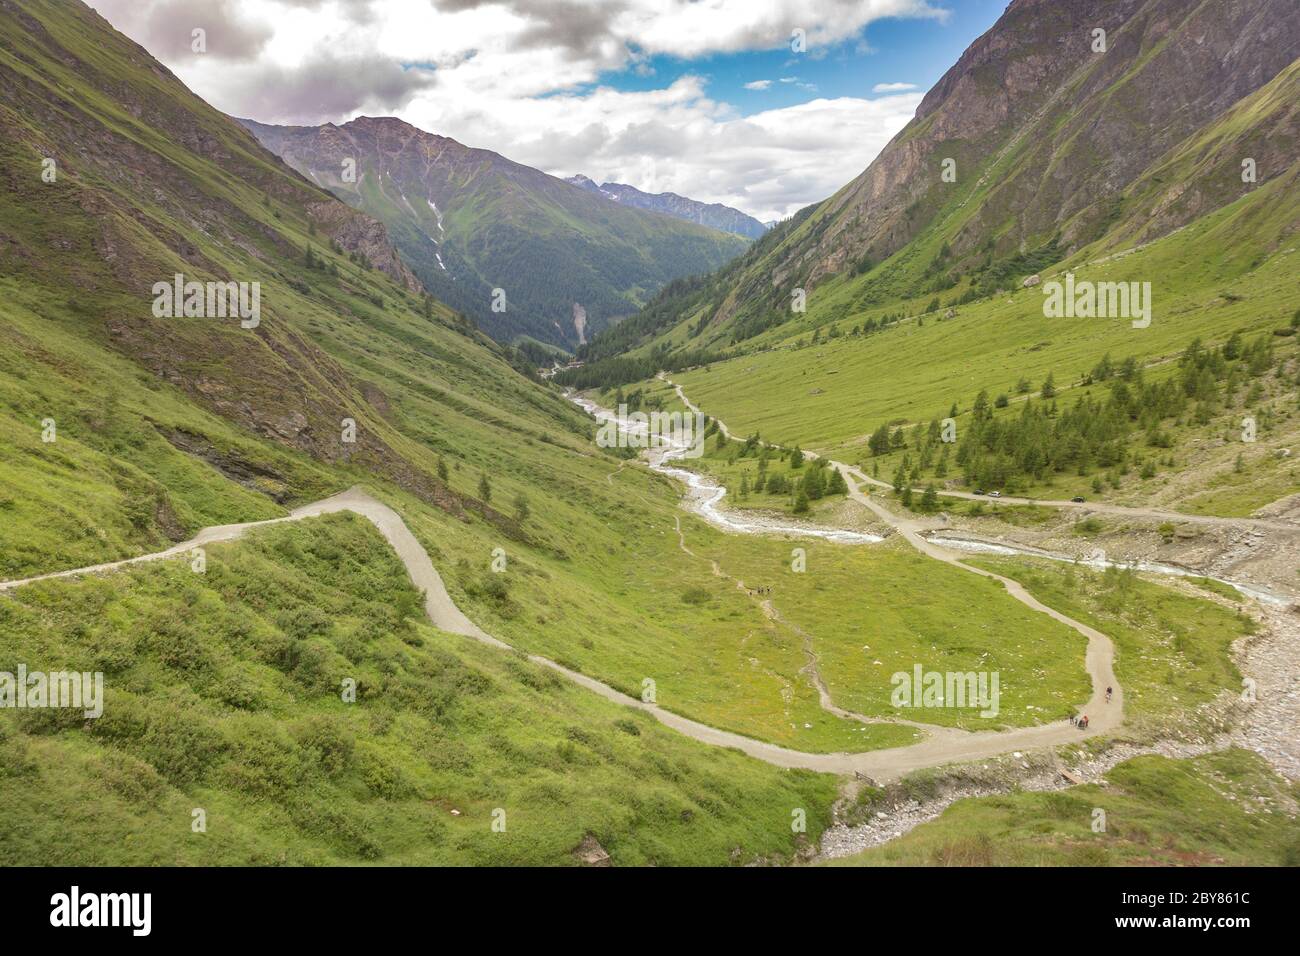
(122, 432)
(1054, 149)
(470, 221)
(222, 696)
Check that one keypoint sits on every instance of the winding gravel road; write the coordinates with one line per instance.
(945, 744)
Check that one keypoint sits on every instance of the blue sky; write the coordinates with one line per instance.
(904, 50)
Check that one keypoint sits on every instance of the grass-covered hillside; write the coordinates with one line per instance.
(1209, 432)
(224, 694)
(831, 379)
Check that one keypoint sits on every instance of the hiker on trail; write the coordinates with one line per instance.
(1084, 722)
(1073, 720)
(1108, 693)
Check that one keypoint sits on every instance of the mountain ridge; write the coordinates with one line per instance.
(715, 215)
(470, 221)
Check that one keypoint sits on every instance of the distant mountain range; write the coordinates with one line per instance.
(714, 215)
(470, 221)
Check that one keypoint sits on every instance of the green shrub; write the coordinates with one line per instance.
(695, 596)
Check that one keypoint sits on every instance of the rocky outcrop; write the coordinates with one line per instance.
(357, 232)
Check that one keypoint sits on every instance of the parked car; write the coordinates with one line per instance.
(1077, 499)
(979, 491)
(995, 494)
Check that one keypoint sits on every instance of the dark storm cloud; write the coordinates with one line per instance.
(325, 88)
(576, 27)
(166, 27)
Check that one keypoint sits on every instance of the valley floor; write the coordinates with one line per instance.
(1265, 727)
(941, 746)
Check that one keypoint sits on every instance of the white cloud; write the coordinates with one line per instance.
(688, 28)
(893, 87)
(516, 76)
(758, 84)
(769, 164)
(795, 81)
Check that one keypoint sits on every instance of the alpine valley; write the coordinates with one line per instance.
(945, 518)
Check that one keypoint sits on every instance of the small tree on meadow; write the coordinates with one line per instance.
(813, 484)
(879, 441)
(929, 500)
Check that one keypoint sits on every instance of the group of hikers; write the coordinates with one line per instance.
(1082, 722)
(760, 590)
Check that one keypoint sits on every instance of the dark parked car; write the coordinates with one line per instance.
(979, 491)
(1077, 499)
